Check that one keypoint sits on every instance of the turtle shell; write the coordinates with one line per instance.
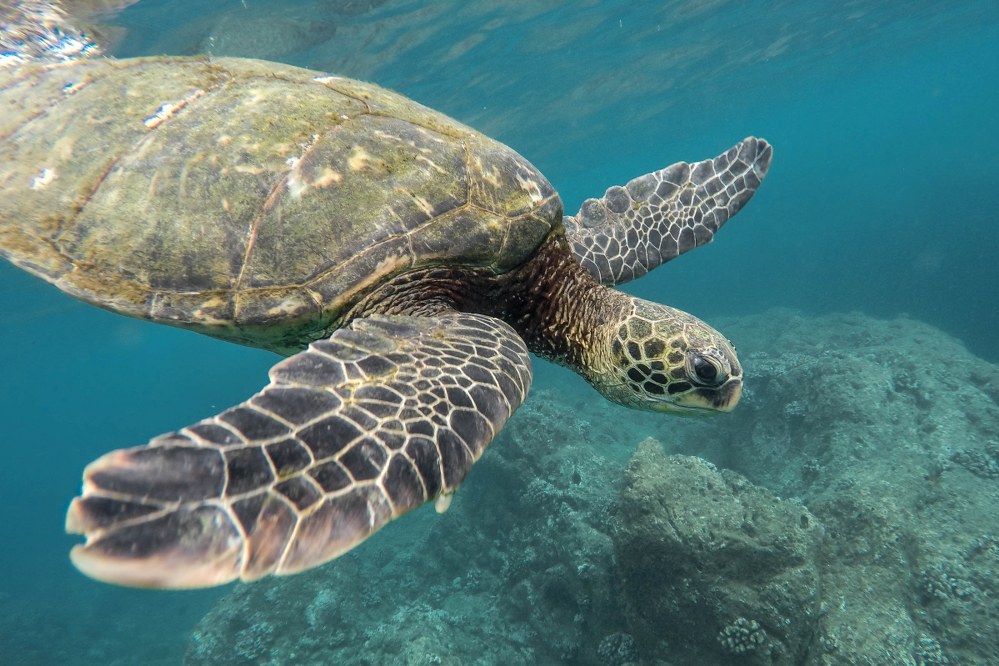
(249, 200)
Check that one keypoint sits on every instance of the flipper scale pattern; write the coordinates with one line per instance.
(352, 432)
(661, 215)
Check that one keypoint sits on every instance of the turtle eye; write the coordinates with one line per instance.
(705, 370)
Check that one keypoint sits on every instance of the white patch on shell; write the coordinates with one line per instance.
(11, 60)
(391, 264)
(296, 182)
(327, 177)
(205, 314)
(490, 175)
(359, 159)
(285, 309)
(72, 88)
(169, 109)
(424, 205)
(43, 179)
(430, 163)
(532, 188)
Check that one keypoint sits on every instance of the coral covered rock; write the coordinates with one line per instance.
(702, 550)
(886, 430)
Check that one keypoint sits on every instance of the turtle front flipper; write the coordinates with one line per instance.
(349, 434)
(661, 215)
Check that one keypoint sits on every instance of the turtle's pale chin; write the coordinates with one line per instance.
(695, 401)
(703, 401)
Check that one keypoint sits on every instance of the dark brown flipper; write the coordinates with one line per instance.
(349, 434)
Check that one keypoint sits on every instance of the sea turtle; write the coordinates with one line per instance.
(405, 264)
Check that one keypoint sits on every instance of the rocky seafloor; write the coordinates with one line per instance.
(845, 513)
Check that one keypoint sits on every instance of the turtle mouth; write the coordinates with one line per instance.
(704, 401)
(728, 395)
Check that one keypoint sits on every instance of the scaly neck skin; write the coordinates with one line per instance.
(563, 314)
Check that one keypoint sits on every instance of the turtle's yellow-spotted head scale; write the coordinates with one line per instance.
(661, 359)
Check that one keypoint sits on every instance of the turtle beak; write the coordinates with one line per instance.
(704, 401)
(727, 396)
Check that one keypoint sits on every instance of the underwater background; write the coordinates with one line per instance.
(861, 286)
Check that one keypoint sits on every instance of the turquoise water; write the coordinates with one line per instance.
(881, 199)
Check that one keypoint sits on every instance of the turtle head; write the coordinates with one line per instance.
(661, 359)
